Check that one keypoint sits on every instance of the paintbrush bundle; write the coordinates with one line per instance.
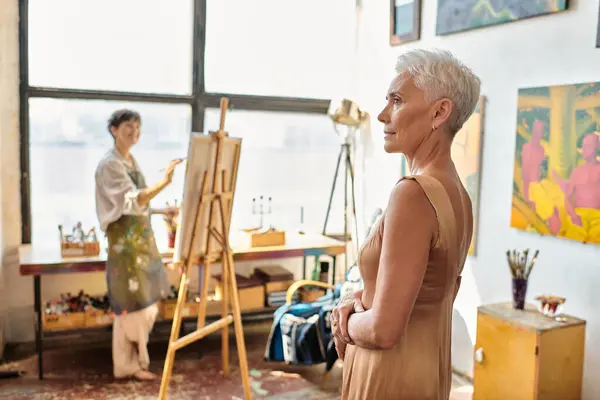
(520, 264)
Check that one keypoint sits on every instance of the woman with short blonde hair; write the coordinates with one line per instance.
(394, 336)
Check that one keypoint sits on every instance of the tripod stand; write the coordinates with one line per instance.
(348, 174)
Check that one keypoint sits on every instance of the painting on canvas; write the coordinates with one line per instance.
(201, 164)
(461, 15)
(466, 154)
(556, 188)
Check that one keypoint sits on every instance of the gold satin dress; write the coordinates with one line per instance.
(418, 366)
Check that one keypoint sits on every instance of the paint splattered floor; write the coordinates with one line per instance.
(80, 368)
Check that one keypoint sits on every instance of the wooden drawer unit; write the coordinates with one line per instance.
(523, 355)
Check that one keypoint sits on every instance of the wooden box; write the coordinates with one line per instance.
(522, 355)
(78, 249)
(61, 322)
(277, 286)
(251, 293)
(259, 238)
(166, 308)
(96, 318)
(274, 277)
(310, 295)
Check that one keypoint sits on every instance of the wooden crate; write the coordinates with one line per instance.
(522, 355)
(278, 286)
(271, 237)
(251, 293)
(62, 322)
(310, 295)
(96, 318)
(166, 308)
(251, 298)
(69, 249)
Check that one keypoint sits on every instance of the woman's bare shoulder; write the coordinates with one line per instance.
(409, 203)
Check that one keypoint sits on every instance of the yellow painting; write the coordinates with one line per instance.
(556, 188)
(466, 154)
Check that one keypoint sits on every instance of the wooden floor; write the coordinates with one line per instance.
(79, 367)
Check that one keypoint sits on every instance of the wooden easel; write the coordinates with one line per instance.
(216, 199)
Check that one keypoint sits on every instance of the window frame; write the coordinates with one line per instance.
(199, 99)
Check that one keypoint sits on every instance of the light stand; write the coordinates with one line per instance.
(346, 113)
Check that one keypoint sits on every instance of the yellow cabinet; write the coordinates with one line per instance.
(524, 355)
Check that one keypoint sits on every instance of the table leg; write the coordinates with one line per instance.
(304, 267)
(37, 306)
(333, 270)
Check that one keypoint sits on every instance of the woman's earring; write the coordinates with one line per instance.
(432, 128)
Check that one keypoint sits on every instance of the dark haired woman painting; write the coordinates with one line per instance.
(135, 273)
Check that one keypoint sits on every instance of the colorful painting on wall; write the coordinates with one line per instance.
(461, 15)
(466, 154)
(556, 188)
(405, 21)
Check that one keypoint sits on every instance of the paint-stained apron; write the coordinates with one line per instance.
(135, 273)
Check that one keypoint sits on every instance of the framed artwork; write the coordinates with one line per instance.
(467, 153)
(467, 150)
(462, 15)
(557, 162)
(405, 21)
(598, 30)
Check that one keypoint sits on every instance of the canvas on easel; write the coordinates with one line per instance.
(203, 239)
(201, 158)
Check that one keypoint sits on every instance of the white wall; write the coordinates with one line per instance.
(548, 50)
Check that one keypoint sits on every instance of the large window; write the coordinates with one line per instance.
(67, 140)
(290, 158)
(82, 60)
(280, 47)
(133, 45)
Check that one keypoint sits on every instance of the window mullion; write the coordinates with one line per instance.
(24, 122)
(267, 103)
(199, 44)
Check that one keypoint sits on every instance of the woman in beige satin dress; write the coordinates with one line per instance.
(394, 337)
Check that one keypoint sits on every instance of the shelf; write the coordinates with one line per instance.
(247, 315)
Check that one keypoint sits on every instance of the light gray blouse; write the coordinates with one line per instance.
(116, 194)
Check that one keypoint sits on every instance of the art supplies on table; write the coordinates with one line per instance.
(79, 243)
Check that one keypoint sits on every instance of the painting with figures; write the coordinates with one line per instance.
(556, 188)
(461, 15)
(466, 154)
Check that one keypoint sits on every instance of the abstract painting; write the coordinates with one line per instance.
(461, 15)
(405, 21)
(556, 186)
(466, 154)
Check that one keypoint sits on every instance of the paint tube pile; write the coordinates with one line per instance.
(67, 303)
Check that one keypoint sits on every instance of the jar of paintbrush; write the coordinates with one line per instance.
(520, 268)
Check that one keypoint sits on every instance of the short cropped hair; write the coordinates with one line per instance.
(122, 115)
(440, 74)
